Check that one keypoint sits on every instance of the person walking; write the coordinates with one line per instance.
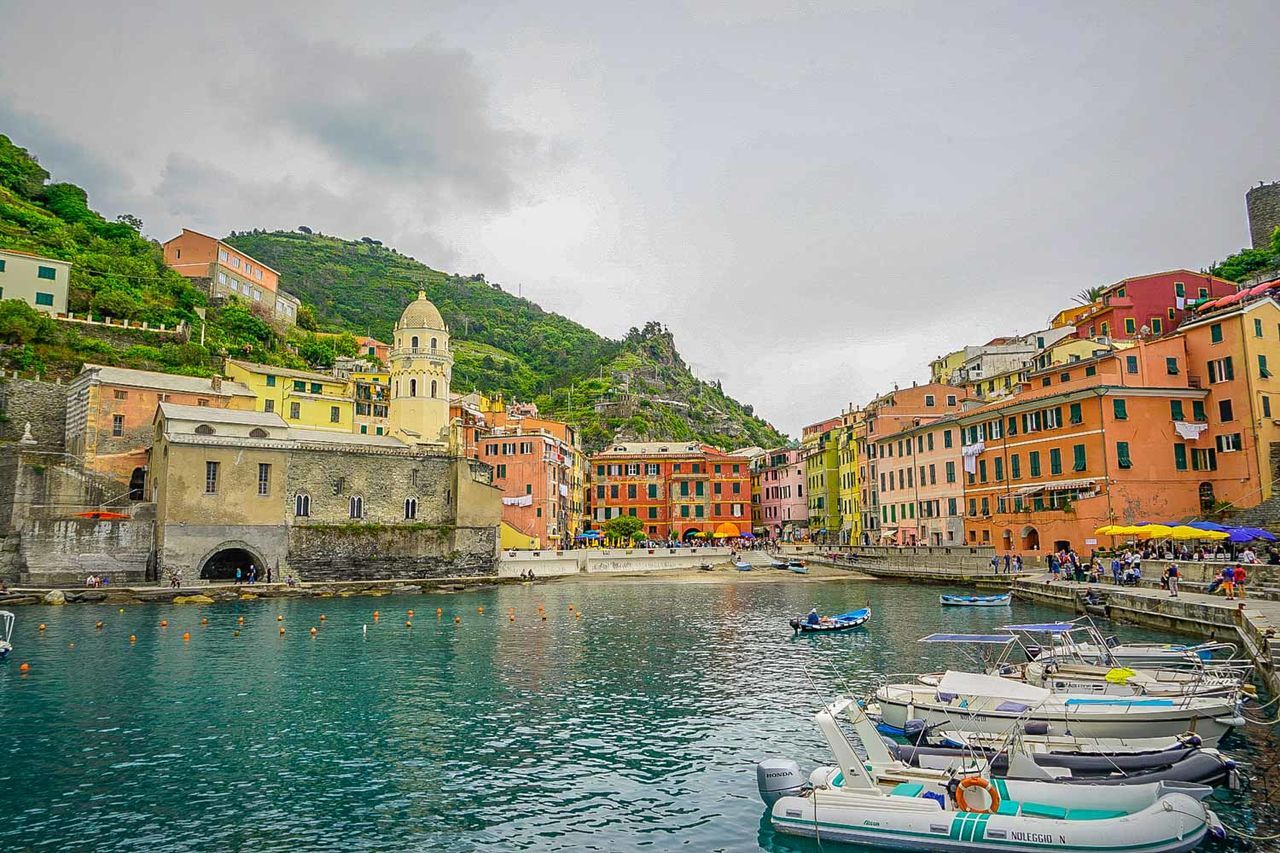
(1229, 582)
(1173, 580)
(1240, 579)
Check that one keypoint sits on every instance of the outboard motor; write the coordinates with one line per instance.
(915, 730)
(779, 777)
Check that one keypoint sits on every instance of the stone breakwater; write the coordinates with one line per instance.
(238, 592)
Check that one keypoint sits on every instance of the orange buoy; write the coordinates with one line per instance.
(98, 625)
(279, 618)
(511, 617)
(313, 632)
(186, 636)
(240, 620)
(480, 610)
(457, 620)
(375, 616)
(408, 624)
(26, 667)
(204, 621)
(511, 610)
(164, 623)
(577, 615)
(410, 614)
(133, 638)
(439, 612)
(321, 617)
(41, 626)
(281, 630)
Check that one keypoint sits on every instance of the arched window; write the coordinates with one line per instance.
(204, 429)
(414, 339)
(258, 432)
(433, 344)
(413, 387)
(410, 508)
(302, 505)
(397, 387)
(433, 387)
(356, 506)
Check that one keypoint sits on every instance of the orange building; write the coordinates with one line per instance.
(1124, 437)
(223, 270)
(373, 347)
(110, 411)
(675, 488)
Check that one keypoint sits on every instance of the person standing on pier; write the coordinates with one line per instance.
(1229, 582)
(1173, 580)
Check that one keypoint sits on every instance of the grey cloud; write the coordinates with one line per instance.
(418, 114)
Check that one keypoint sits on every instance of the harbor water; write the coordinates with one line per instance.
(631, 718)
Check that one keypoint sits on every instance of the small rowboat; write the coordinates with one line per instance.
(843, 622)
(976, 600)
(742, 566)
(777, 564)
(6, 633)
(798, 568)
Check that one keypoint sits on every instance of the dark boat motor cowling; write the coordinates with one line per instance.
(779, 777)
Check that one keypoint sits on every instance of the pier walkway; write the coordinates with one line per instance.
(1253, 624)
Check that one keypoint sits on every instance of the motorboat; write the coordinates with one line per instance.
(882, 802)
(1067, 744)
(778, 564)
(831, 624)
(6, 633)
(966, 701)
(1082, 640)
(742, 565)
(975, 600)
(798, 568)
(1069, 677)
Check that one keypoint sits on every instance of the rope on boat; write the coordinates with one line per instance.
(1229, 828)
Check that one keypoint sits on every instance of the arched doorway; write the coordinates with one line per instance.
(1030, 539)
(222, 565)
(1206, 497)
(1006, 540)
(137, 484)
(691, 532)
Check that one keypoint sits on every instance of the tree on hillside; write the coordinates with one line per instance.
(624, 527)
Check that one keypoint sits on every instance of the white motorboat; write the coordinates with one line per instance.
(881, 802)
(6, 633)
(1081, 640)
(963, 701)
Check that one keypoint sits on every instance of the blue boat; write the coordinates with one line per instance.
(976, 600)
(742, 566)
(843, 622)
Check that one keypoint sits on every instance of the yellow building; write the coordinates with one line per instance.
(819, 445)
(941, 368)
(372, 392)
(850, 501)
(302, 397)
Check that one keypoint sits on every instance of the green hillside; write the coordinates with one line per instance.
(637, 388)
(120, 274)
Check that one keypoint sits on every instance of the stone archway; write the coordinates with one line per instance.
(220, 564)
(1030, 539)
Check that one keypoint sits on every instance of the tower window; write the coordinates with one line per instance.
(410, 508)
(433, 344)
(433, 388)
(414, 342)
(356, 506)
(413, 387)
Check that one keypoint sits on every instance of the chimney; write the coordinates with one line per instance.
(217, 383)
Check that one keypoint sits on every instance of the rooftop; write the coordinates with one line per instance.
(220, 243)
(151, 379)
(33, 255)
(284, 371)
(204, 414)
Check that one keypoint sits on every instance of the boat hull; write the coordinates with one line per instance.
(1210, 722)
(1173, 824)
(975, 600)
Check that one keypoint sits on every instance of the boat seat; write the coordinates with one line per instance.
(1009, 807)
(1041, 810)
(907, 789)
(1094, 814)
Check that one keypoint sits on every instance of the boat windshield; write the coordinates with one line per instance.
(966, 639)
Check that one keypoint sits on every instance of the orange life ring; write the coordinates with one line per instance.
(977, 782)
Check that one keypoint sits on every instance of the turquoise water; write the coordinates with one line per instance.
(636, 726)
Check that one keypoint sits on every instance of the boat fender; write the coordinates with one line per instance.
(1036, 727)
(777, 778)
(993, 798)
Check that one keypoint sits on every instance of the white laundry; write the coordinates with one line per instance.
(522, 500)
(1189, 431)
(970, 454)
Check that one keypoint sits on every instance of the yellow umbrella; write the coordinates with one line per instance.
(1183, 531)
(1154, 531)
(1118, 530)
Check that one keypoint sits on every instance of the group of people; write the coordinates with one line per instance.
(97, 581)
(1012, 564)
(527, 575)
(1231, 580)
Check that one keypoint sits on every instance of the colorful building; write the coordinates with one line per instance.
(38, 281)
(847, 468)
(1148, 305)
(372, 392)
(783, 503)
(915, 480)
(820, 450)
(373, 348)
(421, 366)
(223, 270)
(110, 412)
(1122, 438)
(302, 398)
(677, 489)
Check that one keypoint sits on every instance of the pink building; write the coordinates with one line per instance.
(783, 503)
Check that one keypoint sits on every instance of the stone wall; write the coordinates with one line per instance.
(1263, 204)
(182, 549)
(43, 404)
(64, 551)
(605, 560)
(381, 481)
(377, 552)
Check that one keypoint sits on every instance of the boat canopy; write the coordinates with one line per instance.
(997, 639)
(1043, 627)
(973, 684)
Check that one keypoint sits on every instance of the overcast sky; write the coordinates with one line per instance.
(817, 198)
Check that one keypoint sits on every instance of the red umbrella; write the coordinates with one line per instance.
(1259, 289)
